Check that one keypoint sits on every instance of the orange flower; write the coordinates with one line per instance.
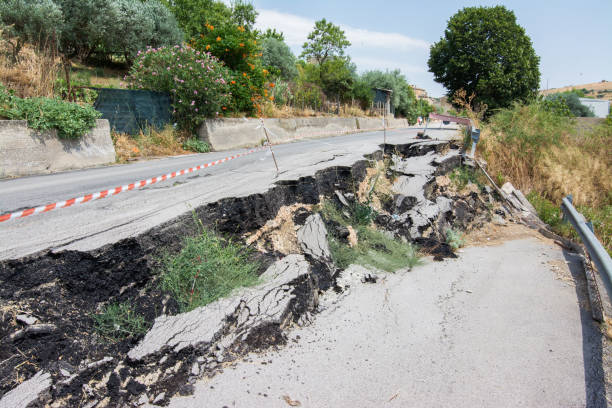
(224, 108)
(233, 82)
(265, 71)
(271, 97)
(244, 74)
(218, 38)
(254, 42)
(272, 85)
(136, 150)
(212, 27)
(241, 44)
(207, 47)
(241, 29)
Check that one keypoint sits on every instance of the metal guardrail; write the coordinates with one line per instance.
(596, 251)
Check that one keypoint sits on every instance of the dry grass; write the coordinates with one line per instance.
(578, 164)
(166, 142)
(600, 90)
(32, 75)
(271, 110)
(375, 186)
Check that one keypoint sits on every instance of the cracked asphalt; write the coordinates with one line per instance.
(497, 327)
(94, 224)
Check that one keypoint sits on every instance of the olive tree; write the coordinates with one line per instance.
(485, 52)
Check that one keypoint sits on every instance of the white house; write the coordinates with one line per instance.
(600, 107)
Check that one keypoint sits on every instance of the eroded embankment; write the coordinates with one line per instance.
(47, 335)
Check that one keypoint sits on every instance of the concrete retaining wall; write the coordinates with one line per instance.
(231, 133)
(24, 151)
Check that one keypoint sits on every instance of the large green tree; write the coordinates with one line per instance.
(324, 42)
(277, 55)
(486, 52)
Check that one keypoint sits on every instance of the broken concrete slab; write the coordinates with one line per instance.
(313, 239)
(27, 392)
(267, 303)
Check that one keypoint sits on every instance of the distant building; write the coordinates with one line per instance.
(600, 107)
(420, 93)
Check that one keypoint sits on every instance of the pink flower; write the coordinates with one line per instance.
(196, 109)
(195, 92)
(192, 103)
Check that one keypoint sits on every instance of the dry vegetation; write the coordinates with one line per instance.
(32, 75)
(271, 110)
(166, 142)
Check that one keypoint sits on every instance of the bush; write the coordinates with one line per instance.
(573, 104)
(238, 48)
(71, 120)
(207, 268)
(197, 81)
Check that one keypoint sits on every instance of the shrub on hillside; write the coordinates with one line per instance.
(70, 120)
(572, 101)
(197, 81)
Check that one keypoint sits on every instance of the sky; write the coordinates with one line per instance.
(572, 38)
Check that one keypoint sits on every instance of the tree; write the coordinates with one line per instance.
(194, 16)
(337, 77)
(485, 52)
(29, 21)
(277, 55)
(325, 41)
(572, 101)
(403, 99)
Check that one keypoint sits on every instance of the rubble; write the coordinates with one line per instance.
(27, 392)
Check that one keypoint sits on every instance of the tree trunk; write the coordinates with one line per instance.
(67, 68)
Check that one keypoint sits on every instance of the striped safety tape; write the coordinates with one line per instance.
(139, 184)
(116, 190)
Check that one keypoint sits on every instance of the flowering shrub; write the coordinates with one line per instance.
(240, 50)
(197, 81)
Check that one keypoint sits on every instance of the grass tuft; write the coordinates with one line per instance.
(119, 321)
(207, 268)
(374, 248)
(455, 239)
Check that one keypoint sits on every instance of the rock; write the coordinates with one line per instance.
(355, 274)
(159, 398)
(341, 198)
(142, 400)
(26, 319)
(443, 181)
(352, 237)
(195, 369)
(403, 203)
(498, 220)
(27, 392)
(64, 373)
(245, 311)
(35, 329)
(312, 238)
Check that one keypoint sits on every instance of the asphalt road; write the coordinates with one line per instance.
(94, 224)
(502, 326)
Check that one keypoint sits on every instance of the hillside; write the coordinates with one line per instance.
(598, 90)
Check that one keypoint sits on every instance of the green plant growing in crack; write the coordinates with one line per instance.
(463, 175)
(207, 268)
(374, 248)
(118, 321)
(454, 238)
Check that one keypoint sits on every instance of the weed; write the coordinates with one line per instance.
(454, 238)
(118, 321)
(462, 176)
(206, 269)
(165, 142)
(374, 248)
(601, 218)
(196, 145)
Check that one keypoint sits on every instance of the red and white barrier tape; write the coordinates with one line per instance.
(116, 190)
(139, 184)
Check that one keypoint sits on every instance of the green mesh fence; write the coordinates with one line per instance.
(130, 111)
